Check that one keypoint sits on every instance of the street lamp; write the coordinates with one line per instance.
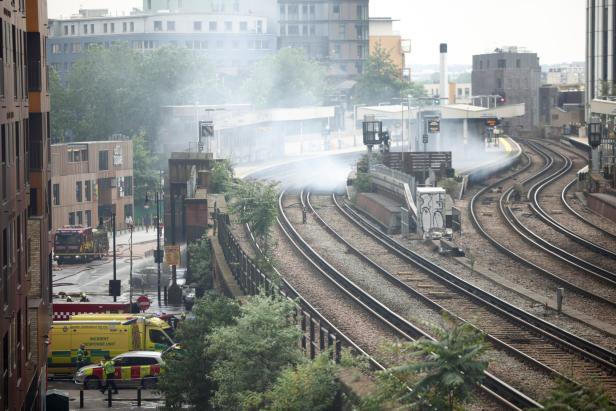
(158, 258)
(594, 132)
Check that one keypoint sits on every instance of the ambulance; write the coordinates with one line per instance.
(101, 338)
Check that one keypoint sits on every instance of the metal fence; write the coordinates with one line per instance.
(318, 334)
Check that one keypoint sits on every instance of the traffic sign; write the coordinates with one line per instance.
(172, 254)
(143, 302)
(491, 122)
(158, 256)
(206, 129)
(434, 126)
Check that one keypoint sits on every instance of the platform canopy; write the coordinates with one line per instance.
(603, 107)
(448, 112)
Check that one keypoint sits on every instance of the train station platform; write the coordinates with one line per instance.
(603, 204)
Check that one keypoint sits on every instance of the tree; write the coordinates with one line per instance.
(187, 371)
(312, 386)
(251, 354)
(289, 78)
(382, 80)
(118, 90)
(571, 397)
(200, 264)
(448, 370)
(222, 176)
(256, 204)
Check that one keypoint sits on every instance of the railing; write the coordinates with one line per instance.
(318, 334)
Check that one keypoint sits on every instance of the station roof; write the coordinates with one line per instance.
(450, 111)
(603, 107)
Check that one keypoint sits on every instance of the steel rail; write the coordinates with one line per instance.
(494, 387)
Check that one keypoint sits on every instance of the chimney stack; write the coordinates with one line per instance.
(444, 86)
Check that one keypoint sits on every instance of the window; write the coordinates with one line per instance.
(459, 92)
(132, 26)
(336, 9)
(124, 27)
(499, 83)
(293, 30)
(171, 26)
(312, 9)
(502, 63)
(220, 44)
(71, 218)
(76, 48)
(305, 30)
(235, 44)
(91, 28)
(72, 29)
(159, 337)
(312, 30)
(197, 26)
(128, 210)
(213, 26)
(342, 31)
(56, 49)
(104, 27)
(88, 190)
(518, 63)
(467, 92)
(158, 25)
(128, 186)
(79, 192)
(282, 10)
(79, 217)
(85, 29)
(66, 30)
(293, 10)
(360, 51)
(103, 160)
(228, 26)
(259, 26)
(481, 65)
(56, 194)
(89, 218)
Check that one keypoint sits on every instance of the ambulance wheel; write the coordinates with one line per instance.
(148, 382)
(92, 383)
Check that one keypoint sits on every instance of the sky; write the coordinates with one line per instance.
(552, 28)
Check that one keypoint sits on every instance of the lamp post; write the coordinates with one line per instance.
(113, 222)
(594, 141)
(158, 258)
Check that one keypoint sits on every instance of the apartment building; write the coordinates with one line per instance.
(232, 35)
(25, 259)
(334, 32)
(92, 181)
(383, 35)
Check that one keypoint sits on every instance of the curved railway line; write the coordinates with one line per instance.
(510, 329)
(505, 394)
(493, 216)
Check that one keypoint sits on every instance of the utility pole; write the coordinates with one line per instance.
(158, 256)
(113, 222)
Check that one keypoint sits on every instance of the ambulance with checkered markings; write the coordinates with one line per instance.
(110, 337)
(132, 369)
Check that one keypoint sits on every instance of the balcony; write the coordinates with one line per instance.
(37, 155)
(34, 76)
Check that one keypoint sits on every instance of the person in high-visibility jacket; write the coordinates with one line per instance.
(83, 356)
(109, 369)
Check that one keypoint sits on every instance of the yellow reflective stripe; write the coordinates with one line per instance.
(144, 371)
(125, 373)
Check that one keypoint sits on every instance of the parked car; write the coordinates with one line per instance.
(132, 369)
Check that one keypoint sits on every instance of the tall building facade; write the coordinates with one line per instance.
(335, 32)
(232, 34)
(600, 48)
(25, 252)
(514, 75)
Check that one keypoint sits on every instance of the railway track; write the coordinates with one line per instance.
(495, 388)
(581, 252)
(507, 327)
(493, 217)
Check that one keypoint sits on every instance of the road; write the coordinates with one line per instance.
(93, 277)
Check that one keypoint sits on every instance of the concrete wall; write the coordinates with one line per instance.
(517, 77)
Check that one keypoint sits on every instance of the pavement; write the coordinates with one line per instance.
(126, 399)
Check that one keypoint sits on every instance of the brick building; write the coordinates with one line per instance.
(25, 258)
(92, 180)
